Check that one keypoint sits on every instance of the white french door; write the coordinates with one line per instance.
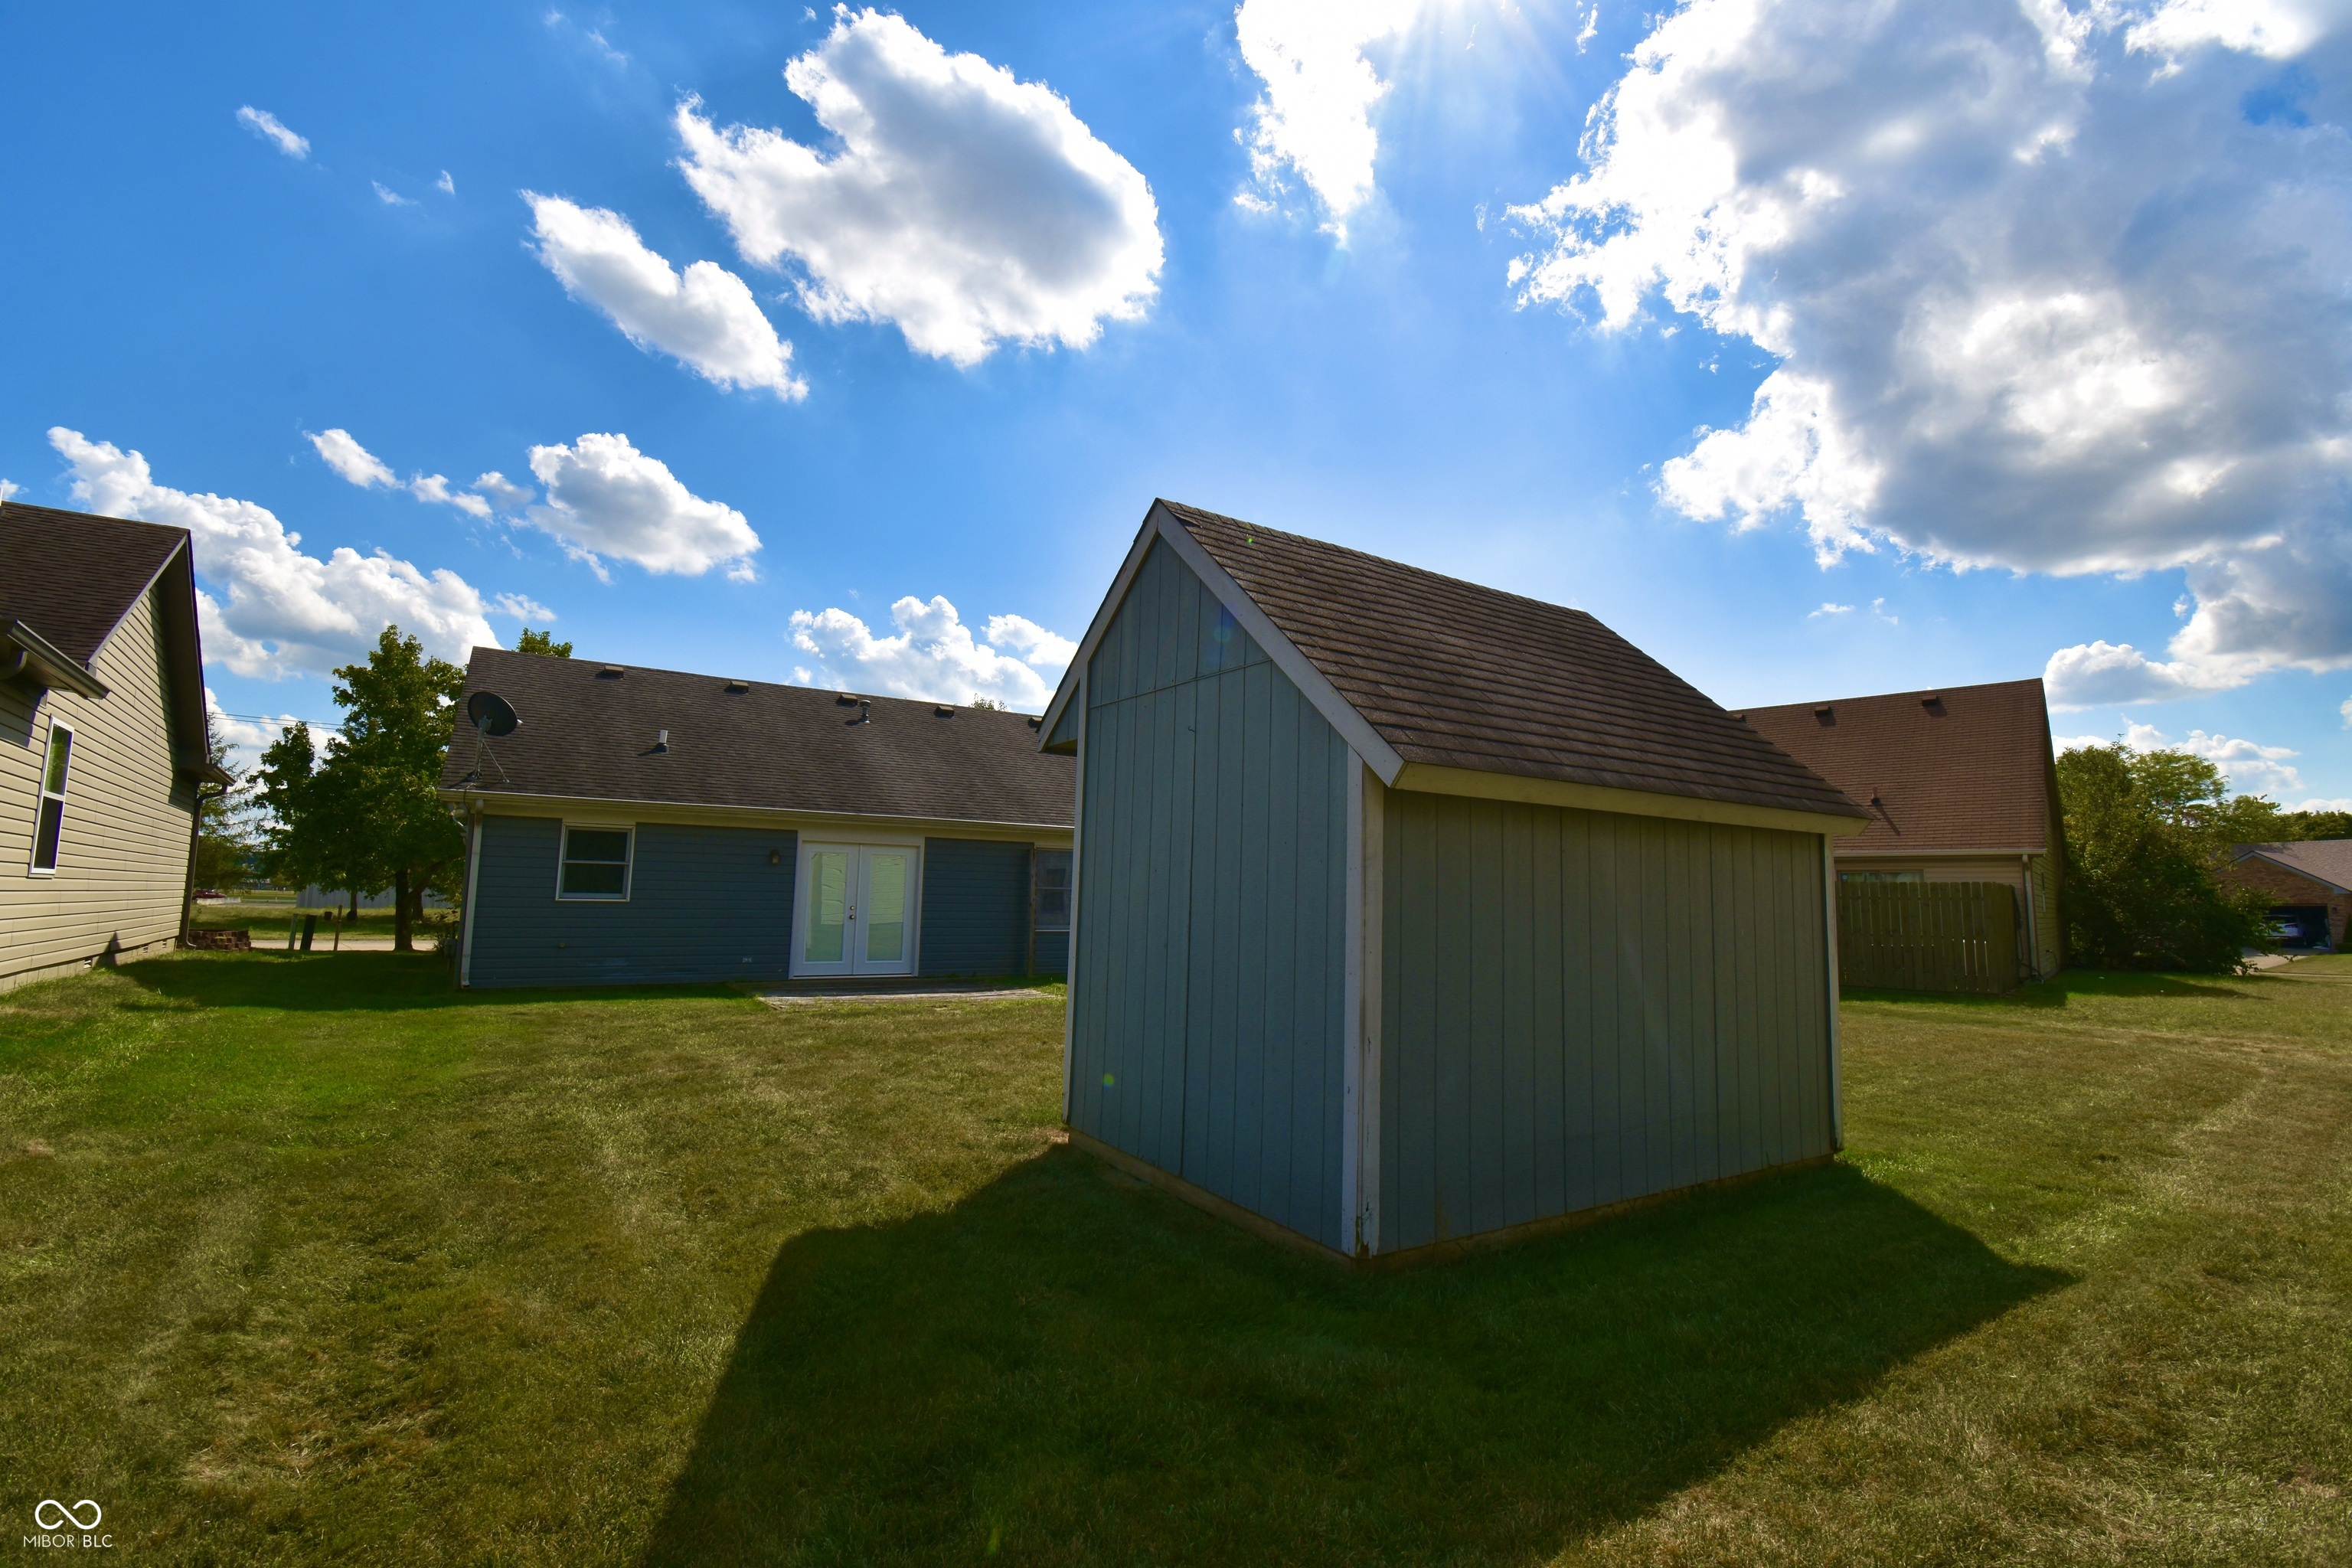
(857, 913)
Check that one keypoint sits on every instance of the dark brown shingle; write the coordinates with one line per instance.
(1972, 771)
(1459, 676)
(588, 735)
(72, 576)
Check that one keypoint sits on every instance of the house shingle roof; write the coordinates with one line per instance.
(71, 576)
(1455, 674)
(2328, 860)
(585, 734)
(1972, 771)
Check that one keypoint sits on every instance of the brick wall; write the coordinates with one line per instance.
(2294, 887)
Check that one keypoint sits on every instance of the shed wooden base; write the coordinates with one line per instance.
(1257, 1224)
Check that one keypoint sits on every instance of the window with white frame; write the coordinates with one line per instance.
(596, 862)
(49, 827)
(1051, 894)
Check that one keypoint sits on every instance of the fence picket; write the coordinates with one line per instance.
(1927, 936)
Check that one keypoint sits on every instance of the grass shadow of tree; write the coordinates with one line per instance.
(1068, 1366)
(360, 982)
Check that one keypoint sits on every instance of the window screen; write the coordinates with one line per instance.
(596, 862)
(1052, 894)
(51, 826)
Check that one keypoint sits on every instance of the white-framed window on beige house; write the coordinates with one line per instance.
(49, 824)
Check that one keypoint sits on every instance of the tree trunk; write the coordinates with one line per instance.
(353, 912)
(400, 929)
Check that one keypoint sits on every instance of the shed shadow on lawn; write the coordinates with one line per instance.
(2061, 992)
(1070, 1366)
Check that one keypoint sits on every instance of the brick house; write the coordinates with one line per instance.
(2310, 882)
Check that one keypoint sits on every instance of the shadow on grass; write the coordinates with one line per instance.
(1070, 1366)
(358, 981)
(2061, 992)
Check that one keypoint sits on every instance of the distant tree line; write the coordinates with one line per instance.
(2148, 835)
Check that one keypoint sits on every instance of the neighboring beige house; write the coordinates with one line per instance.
(103, 739)
(1961, 787)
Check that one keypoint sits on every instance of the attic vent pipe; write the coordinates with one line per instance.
(661, 740)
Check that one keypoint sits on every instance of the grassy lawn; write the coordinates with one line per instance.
(311, 1259)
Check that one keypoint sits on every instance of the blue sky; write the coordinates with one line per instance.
(2057, 352)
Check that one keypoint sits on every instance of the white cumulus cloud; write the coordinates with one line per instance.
(606, 497)
(2250, 767)
(2046, 288)
(964, 205)
(285, 612)
(934, 656)
(269, 127)
(342, 452)
(503, 492)
(1316, 115)
(522, 607)
(704, 318)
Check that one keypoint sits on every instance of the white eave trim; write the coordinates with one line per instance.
(1336, 711)
(515, 802)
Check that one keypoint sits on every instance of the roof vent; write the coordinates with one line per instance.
(738, 686)
(1036, 723)
(866, 710)
(610, 672)
(1825, 715)
(846, 701)
(944, 712)
(661, 741)
(1933, 702)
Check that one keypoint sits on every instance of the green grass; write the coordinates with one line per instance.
(316, 1261)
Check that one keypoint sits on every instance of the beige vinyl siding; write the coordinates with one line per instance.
(123, 858)
(2047, 954)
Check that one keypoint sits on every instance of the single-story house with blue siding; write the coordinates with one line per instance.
(640, 826)
(1410, 911)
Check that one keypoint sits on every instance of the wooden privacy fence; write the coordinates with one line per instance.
(1927, 936)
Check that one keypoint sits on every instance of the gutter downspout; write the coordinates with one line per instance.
(473, 875)
(2032, 926)
(195, 834)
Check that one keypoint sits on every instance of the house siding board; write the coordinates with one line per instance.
(1690, 994)
(974, 914)
(704, 905)
(123, 856)
(1210, 903)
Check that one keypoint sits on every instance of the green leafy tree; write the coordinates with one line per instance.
(542, 642)
(2147, 835)
(224, 841)
(317, 830)
(398, 713)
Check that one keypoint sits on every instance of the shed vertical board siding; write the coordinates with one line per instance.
(704, 905)
(123, 858)
(1207, 1009)
(974, 915)
(1580, 1008)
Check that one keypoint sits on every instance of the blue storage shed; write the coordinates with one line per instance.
(1410, 911)
(645, 825)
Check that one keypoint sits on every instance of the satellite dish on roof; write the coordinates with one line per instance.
(491, 713)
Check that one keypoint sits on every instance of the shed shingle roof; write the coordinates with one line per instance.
(2328, 859)
(1970, 772)
(588, 735)
(72, 576)
(1455, 674)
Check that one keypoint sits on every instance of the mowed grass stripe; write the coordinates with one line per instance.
(311, 1259)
